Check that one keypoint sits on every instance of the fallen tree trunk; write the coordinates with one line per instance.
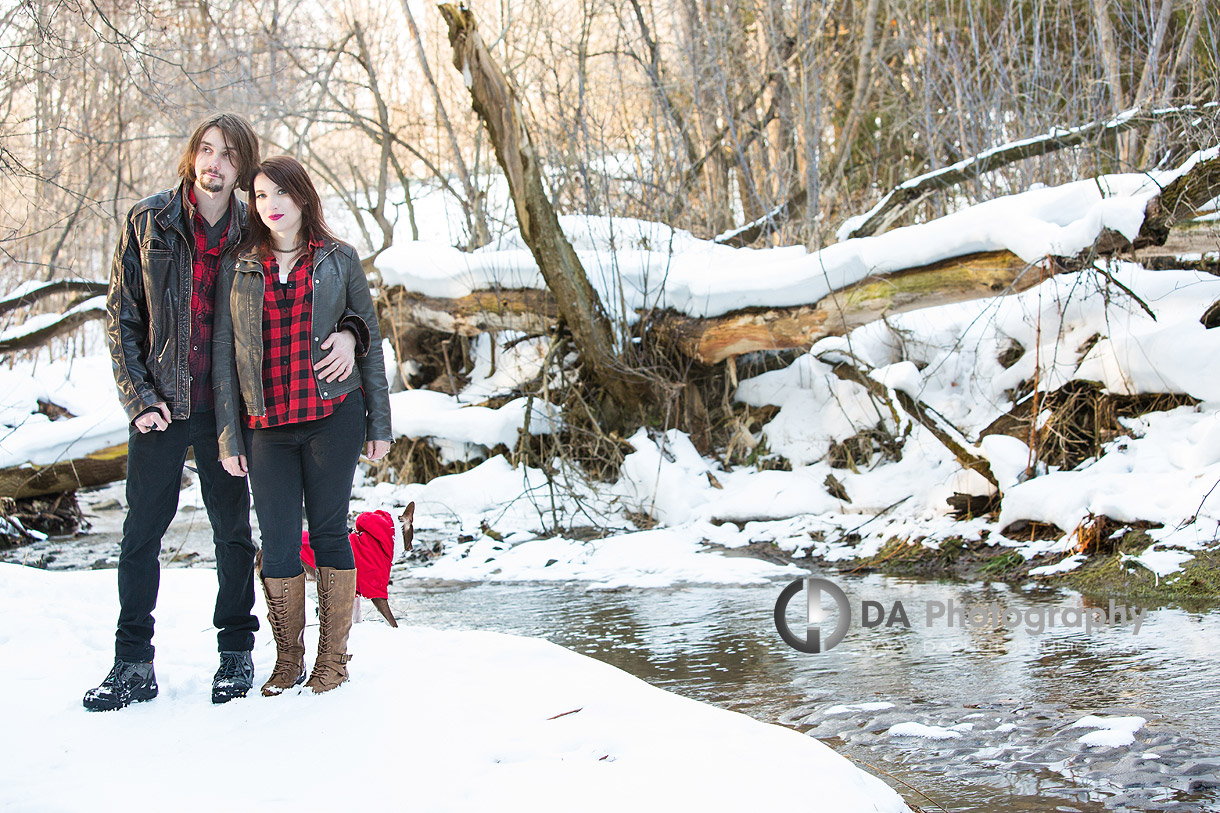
(28, 297)
(971, 277)
(1178, 202)
(28, 340)
(94, 469)
(528, 310)
(712, 340)
(941, 429)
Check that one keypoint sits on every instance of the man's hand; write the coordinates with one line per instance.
(339, 364)
(235, 465)
(376, 449)
(157, 419)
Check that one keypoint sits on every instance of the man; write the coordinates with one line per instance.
(160, 306)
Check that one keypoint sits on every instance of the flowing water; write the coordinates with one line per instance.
(1012, 693)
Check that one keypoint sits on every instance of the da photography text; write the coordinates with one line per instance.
(1035, 620)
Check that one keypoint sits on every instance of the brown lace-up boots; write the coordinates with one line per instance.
(336, 592)
(286, 613)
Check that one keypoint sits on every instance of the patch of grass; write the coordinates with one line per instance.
(996, 566)
(1195, 586)
(908, 557)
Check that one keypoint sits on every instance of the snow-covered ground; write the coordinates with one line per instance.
(431, 720)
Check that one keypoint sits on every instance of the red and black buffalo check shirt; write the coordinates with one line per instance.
(203, 301)
(290, 391)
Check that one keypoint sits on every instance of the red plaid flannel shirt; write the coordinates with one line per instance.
(203, 305)
(290, 390)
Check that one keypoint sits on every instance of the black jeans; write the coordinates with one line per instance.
(154, 478)
(315, 460)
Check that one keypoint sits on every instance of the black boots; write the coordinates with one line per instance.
(131, 682)
(127, 683)
(234, 678)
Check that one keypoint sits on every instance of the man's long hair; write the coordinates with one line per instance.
(239, 136)
(288, 174)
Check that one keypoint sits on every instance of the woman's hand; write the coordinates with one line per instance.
(341, 360)
(376, 449)
(235, 465)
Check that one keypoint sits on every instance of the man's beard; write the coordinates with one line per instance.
(211, 183)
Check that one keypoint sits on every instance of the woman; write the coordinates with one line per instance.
(302, 417)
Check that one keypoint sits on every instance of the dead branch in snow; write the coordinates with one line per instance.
(940, 428)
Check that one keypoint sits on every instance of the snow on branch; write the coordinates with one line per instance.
(28, 293)
(40, 329)
(911, 192)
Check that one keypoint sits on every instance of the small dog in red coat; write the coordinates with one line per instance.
(373, 549)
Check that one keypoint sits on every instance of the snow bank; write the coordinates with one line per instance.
(83, 386)
(497, 523)
(663, 557)
(1087, 326)
(431, 720)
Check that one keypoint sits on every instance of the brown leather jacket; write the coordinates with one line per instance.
(341, 298)
(148, 305)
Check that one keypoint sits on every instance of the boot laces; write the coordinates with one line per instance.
(278, 606)
(232, 668)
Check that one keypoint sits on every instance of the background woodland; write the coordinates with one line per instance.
(703, 115)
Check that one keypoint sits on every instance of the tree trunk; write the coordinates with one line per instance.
(859, 102)
(497, 105)
(1108, 51)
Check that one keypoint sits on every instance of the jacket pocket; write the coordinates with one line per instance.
(157, 264)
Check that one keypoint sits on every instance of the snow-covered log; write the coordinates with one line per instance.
(94, 469)
(712, 302)
(713, 339)
(528, 310)
(1180, 200)
(39, 330)
(27, 294)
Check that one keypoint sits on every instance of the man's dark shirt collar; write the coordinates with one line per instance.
(214, 233)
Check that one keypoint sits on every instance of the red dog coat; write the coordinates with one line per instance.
(373, 548)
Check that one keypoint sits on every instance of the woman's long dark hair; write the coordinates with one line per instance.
(288, 174)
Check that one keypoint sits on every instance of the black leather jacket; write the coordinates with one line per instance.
(148, 305)
(341, 299)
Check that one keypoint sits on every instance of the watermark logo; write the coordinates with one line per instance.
(1035, 619)
(815, 615)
